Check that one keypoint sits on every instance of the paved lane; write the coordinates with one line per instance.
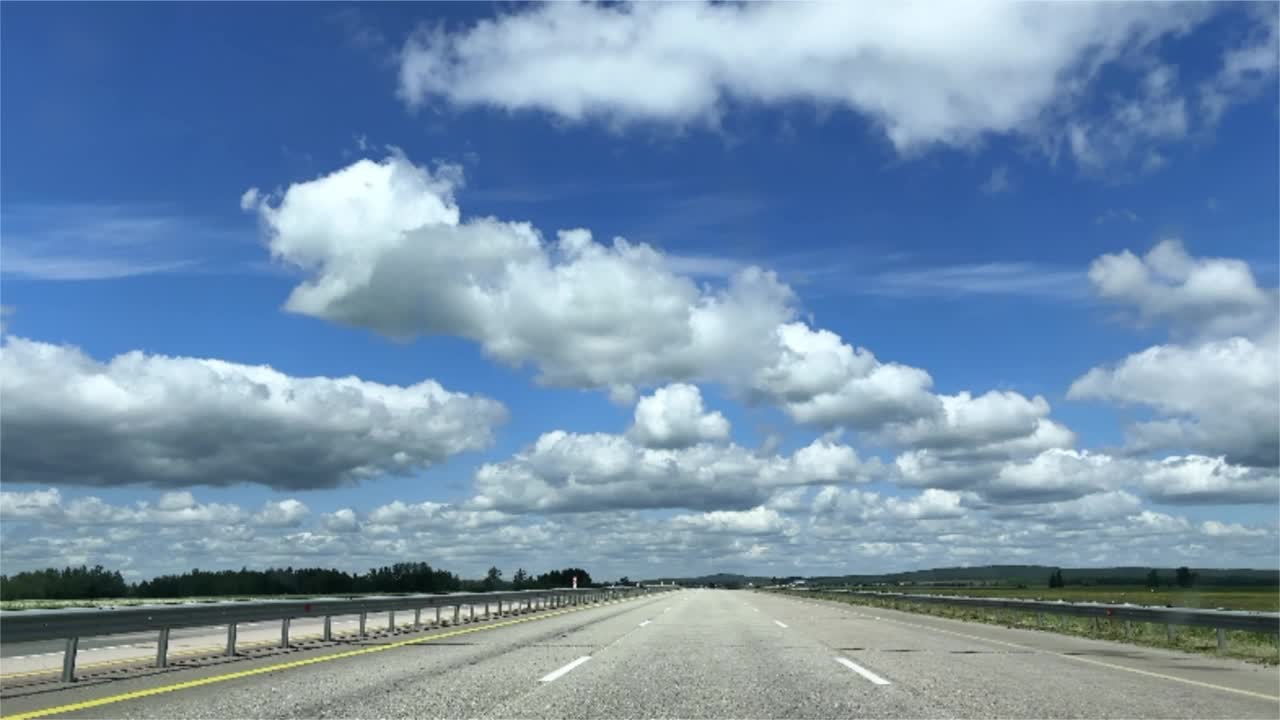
(722, 654)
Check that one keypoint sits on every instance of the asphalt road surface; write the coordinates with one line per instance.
(700, 654)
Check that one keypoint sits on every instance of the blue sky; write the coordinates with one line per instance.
(955, 209)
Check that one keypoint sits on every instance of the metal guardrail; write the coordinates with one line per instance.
(1170, 617)
(74, 623)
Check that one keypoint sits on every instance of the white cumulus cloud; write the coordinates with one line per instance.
(674, 417)
(924, 74)
(179, 421)
(568, 472)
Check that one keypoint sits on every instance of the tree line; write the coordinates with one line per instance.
(1183, 577)
(85, 583)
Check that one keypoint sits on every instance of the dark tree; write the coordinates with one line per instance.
(493, 579)
(1184, 577)
(520, 580)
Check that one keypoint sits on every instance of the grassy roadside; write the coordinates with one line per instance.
(1251, 647)
(1259, 600)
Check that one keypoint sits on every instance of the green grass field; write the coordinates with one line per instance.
(1263, 600)
(1252, 647)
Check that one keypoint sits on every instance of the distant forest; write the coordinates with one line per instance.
(86, 583)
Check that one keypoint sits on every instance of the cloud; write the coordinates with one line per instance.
(756, 521)
(170, 509)
(282, 513)
(387, 250)
(101, 242)
(819, 379)
(249, 199)
(1156, 112)
(1050, 475)
(433, 515)
(923, 78)
(1218, 393)
(930, 504)
(1247, 68)
(1114, 215)
(1062, 476)
(1204, 296)
(175, 422)
(998, 182)
(966, 421)
(340, 521)
(842, 527)
(1219, 397)
(1199, 480)
(568, 472)
(996, 278)
(673, 417)
(385, 247)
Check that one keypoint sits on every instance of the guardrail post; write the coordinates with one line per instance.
(284, 633)
(1128, 630)
(69, 660)
(471, 611)
(1168, 633)
(363, 616)
(486, 607)
(1222, 640)
(457, 614)
(231, 640)
(417, 618)
(328, 628)
(162, 648)
(391, 621)
(1039, 619)
(437, 615)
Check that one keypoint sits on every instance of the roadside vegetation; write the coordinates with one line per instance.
(1216, 598)
(98, 587)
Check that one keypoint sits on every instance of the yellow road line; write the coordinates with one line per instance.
(148, 692)
(1112, 666)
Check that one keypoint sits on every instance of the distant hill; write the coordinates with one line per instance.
(718, 580)
(1033, 575)
(1003, 575)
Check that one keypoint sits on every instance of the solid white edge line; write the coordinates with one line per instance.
(556, 674)
(780, 623)
(862, 671)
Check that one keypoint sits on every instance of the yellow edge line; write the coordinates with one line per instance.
(148, 692)
(1174, 678)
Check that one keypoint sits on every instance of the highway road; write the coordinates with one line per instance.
(699, 654)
